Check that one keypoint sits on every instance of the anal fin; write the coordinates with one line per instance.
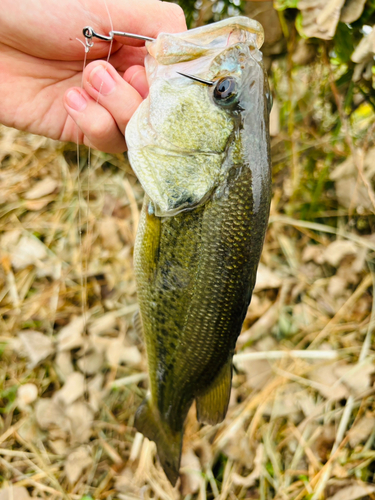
(212, 405)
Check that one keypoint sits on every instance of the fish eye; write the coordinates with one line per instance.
(225, 91)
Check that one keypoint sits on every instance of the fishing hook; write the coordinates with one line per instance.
(195, 78)
(89, 33)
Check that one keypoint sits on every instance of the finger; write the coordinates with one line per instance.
(145, 17)
(136, 77)
(97, 125)
(102, 82)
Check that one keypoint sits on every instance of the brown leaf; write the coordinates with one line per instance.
(29, 251)
(77, 461)
(361, 431)
(320, 17)
(72, 389)
(329, 385)
(353, 492)
(41, 188)
(191, 473)
(70, 336)
(14, 493)
(266, 279)
(36, 346)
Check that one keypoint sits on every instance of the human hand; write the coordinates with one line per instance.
(41, 65)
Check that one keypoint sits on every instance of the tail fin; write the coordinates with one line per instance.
(168, 442)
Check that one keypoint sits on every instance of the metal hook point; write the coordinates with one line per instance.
(89, 33)
(196, 79)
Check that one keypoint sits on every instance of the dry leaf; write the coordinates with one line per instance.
(353, 492)
(108, 230)
(28, 251)
(80, 417)
(361, 431)
(36, 346)
(320, 17)
(49, 413)
(72, 390)
(59, 446)
(251, 479)
(258, 372)
(64, 364)
(191, 473)
(329, 385)
(356, 377)
(95, 388)
(118, 353)
(336, 251)
(77, 461)
(103, 324)
(352, 10)
(350, 191)
(266, 279)
(41, 188)
(14, 493)
(91, 362)
(70, 336)
(365, 50)
(314, 253)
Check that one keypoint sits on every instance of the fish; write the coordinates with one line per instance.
(199, 145)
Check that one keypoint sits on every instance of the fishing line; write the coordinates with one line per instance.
(84, 260)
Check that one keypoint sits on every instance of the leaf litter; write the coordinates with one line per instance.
(72, 379)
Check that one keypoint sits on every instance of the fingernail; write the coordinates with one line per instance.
(76, 100)
(102, 81)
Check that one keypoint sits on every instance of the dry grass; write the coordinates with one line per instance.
(301, 422)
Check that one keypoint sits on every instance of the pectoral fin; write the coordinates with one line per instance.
(213, 404)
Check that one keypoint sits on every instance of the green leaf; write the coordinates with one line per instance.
(285, 4)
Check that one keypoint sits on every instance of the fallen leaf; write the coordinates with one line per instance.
(353, 492)
(64, 364)
(356, 377)
(76, 462)
(352, 10)
(258, 371)
(72, 389)
(91, 362)
(103, 324)
(36, 346)
(320, 17)
(28, 251)
(48, 413)
(191, 473)
(80, 417)
(70, 336)
(118, 353)
(108, 230)
(329, 385)
(41, 188)
(361, 431)
(14, 493)
(266, 279)
(336, 251)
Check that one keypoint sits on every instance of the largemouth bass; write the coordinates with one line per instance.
(199, 145)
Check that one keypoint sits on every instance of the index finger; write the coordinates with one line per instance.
(145, 17)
